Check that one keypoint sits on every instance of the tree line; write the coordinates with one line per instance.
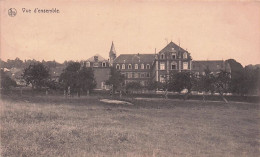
(79, 79)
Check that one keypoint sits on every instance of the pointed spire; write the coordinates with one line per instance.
(112, 49)
(112, 54)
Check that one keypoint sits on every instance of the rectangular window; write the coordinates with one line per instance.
(173, 56)
(129, 75)
(148, 75)
(185, 65)
(162, 66)
(136, 75)
(174, 66)
(142, 75)
(123, 66)
(162, 78)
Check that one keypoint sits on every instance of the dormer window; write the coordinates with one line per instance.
(88, 64)
(129, 66)
(136, 66)
(104, 64)
(117, 66)
(185, 56)
(123, 66)
(142, 66)
(147, 66)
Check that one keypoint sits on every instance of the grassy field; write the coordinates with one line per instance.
(56, 126)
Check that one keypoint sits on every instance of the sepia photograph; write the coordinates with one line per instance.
(129, 78)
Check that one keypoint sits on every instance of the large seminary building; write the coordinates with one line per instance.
(150, 67)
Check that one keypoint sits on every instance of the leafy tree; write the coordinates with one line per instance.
(36, 74)
(250, 82)
(77, 78)
(154, 85)
(116, 79)
(133, 86)
(222, 83)
(86, 79)
(207, 81)
(237, 77)
(69, 76)
(6, 81)
(181, 80)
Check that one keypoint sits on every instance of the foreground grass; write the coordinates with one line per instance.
(55, 126)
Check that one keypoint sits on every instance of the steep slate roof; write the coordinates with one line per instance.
(100, 58)
(134, 58)
(213, 65)
(170, 46)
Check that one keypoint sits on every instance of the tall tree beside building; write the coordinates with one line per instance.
(133, 86)
(251, 80)
(237, 76)
(86, 79)
(222, 83)
(207, 81)
(179, 81)
(36, 74)
(77, 78)
(116, 79)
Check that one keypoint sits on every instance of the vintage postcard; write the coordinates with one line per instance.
(129, 78)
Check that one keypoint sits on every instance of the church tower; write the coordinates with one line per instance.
(112, 54)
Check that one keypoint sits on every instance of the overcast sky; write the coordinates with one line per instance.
(208, 30)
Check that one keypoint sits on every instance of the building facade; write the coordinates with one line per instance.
(170, 58)
(135, 67)
(101, 70)
(144, 68)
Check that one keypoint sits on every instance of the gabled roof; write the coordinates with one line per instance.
(100, 58)
(170, 46)
(135, 58)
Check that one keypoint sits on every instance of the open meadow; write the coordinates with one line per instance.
(58, 126)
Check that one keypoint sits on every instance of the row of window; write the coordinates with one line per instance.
(136, 75)
(136, 66)
(173, 56)
(174, 66)
(96, 64)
